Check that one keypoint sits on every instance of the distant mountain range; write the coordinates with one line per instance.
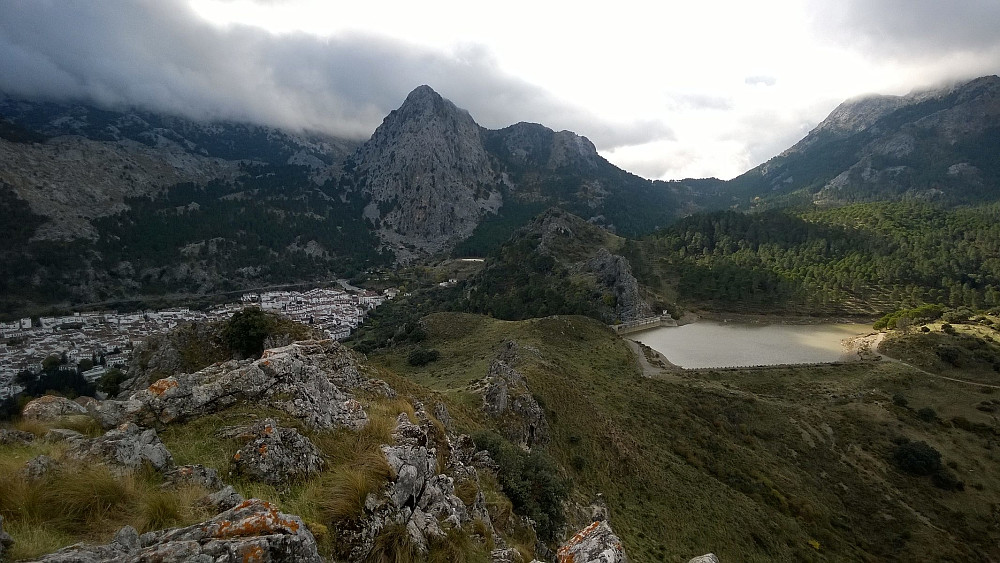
(937, 145)
(119, 204)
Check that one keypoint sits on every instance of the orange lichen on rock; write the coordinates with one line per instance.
(266, 522)
(564, 555)
(162, 385)
(251, 554)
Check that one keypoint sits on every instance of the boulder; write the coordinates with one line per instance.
(64, 435)
(505, 555)
(253, 530)
(9, 437)
(51, 407)
(277, 456)
(193, 475)
(38, 467)
(126, 447)
(596, 543)
(707, 558)
(224, 499)
(112, 413)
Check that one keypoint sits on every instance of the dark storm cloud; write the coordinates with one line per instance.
(159, 55)
(912, 29)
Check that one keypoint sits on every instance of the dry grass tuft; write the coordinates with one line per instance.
(456, 547)
(393, 545)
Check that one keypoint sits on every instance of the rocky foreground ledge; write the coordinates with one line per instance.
(317, 384)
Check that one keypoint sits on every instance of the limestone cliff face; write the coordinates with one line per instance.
(427, 175)
(614, 274)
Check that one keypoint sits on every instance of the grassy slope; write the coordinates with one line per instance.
(763, 465)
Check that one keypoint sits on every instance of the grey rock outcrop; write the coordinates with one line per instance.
(615, 275)
(276, 455)
(156, 358)
(310, 380)
(38, 467)
(127, 447)
(508, 400)
(51, 407)
(15, 437)
(596, 543)
(253, 530)
(427, 174)
(193, 475)
(418, 497)
(225, 498)
(707, 558)
(891, 147)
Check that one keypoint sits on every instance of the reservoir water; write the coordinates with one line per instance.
(709, 344)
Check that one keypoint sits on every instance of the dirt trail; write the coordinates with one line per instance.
(662, 369)
(876, 342)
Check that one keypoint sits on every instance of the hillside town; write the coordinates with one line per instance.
(107, 338)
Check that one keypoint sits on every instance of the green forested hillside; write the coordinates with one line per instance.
(857, 258)
(272, 225)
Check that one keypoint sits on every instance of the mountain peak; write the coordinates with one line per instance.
(422, 92)
(424, 102)
(427, 174)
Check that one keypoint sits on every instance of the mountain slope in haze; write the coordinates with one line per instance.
(937, 145)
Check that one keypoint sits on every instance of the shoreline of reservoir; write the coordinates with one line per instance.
(717, 344)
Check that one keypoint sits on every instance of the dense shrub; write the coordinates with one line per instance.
(111, 381)
(249, 331)
(924, 313)
(944, 479)
(530, 480)
(917, 458)
(422, 356)
(949, 354)
(245, 332)
(927, 414)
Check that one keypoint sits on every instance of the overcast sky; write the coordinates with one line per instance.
(664, 89)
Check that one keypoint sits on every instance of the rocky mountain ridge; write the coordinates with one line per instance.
(124, 204)
(934, 145)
